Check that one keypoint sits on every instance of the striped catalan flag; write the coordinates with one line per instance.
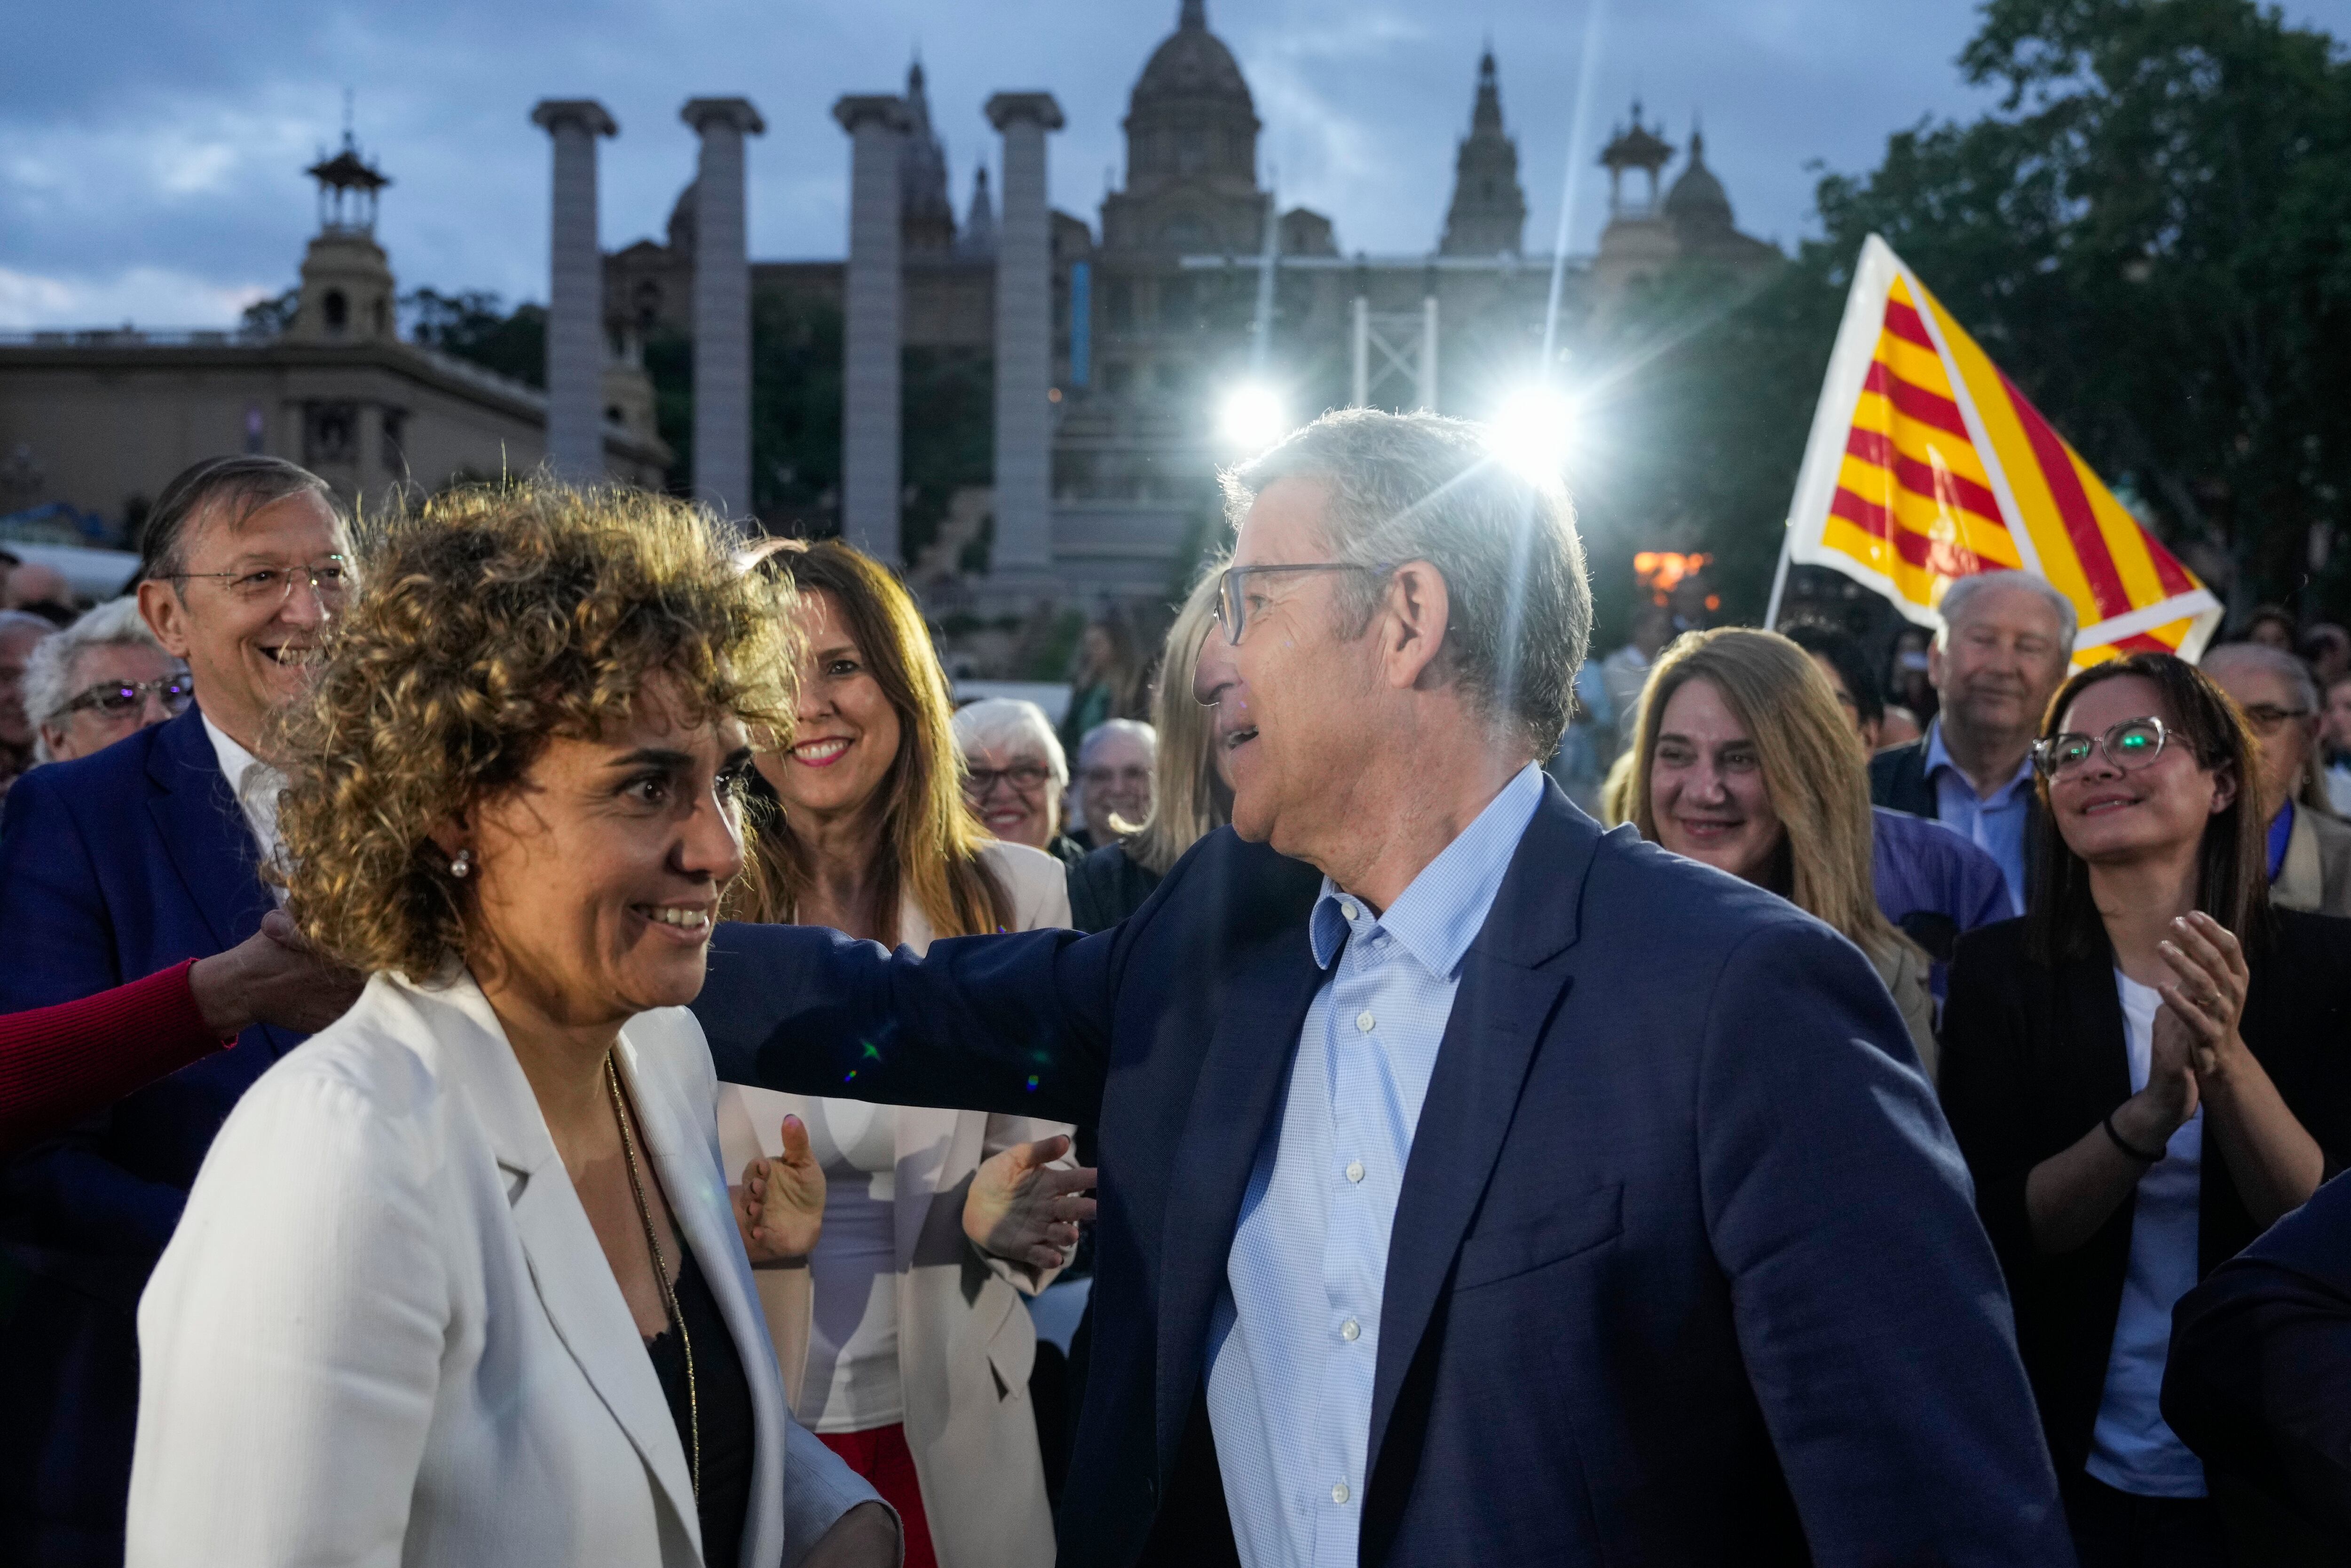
(1926, 464)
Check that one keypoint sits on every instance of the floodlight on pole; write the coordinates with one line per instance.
(1532, 433)
(1252, 418)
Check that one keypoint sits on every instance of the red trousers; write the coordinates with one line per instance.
(880, 1453)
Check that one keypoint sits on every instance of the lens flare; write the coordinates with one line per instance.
(1532, 433)
(1252, 418)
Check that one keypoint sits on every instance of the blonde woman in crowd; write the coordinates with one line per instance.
(1191, 796)
(1745, 761)
(903, 1340)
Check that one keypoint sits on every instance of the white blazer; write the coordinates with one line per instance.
(966, 1343)
(384, 1332)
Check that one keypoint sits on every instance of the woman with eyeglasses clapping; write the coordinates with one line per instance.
(2144, 1073)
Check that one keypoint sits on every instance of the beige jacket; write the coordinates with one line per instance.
(2316, 875)
(966, 1343)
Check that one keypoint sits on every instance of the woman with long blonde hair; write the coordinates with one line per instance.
(902, 1341)
(1190, 796)
(1745, 761)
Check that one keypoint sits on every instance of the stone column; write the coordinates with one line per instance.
(722, 304)
(1024, 338)
(873, 326)
(575, 290)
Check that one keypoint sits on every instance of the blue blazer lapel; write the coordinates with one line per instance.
(1236, 1096)
(205, 837)
(1512, 981)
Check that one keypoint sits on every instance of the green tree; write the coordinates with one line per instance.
(474, 324)
(2148, 235)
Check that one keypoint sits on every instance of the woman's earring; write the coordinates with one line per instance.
(461, 865)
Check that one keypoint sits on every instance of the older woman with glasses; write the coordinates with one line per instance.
(1014, 774)
(2144, 1073)
(101, 678)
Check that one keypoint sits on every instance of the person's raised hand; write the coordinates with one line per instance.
(273, 976)
(2207, 993)
(779, 1208)
(1023, 1208)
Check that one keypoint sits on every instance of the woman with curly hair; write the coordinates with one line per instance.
(461, 1281)
(903, 1340)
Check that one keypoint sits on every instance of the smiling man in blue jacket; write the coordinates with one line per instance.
(1478, 1188)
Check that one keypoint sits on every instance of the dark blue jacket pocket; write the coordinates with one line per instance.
(1575, 1225)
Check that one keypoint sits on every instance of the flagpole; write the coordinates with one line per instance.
(1779, 579)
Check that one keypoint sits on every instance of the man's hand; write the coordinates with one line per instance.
(1022, 1209)
(864, 1537)
(273, 976)
(779, 1208)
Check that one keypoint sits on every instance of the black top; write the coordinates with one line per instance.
(1106, 887)
(2034, 1056)
(723, 1396)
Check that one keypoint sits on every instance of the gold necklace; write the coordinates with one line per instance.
(661, 1273)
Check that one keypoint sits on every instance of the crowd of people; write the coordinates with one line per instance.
(558, 1040)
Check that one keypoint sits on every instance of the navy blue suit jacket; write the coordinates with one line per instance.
(1684, 1269)
(2259, 1381)
(112, 867)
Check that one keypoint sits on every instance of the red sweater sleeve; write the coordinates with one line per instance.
(59, 1063)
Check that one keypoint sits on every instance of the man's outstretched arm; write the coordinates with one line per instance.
(1016, 1024)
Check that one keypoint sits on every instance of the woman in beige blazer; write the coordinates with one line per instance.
(902, 1338)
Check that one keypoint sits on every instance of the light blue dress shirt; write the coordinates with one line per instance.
(1294, 1338)
(1996, 825)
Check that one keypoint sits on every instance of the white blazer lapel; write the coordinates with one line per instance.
(683, 1145)
(574, 1280)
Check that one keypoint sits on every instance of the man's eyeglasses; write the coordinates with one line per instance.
(1028, 777)
(119, 699)
(2268, 718)
(1232, 596)
(2130, 746)
(329, 580)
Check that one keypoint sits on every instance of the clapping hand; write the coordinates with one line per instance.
(779, 1208)
(2206, 998)
(1022, 1209)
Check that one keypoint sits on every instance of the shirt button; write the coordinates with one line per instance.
(1348, 910)
(1355, 1170)
(1363, 1021)
(1351, 1331)
(1340, 1494)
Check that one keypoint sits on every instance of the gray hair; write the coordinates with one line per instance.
(1110, 730)
(244, 483)
(2260, 656)
(1419, 486)
(1963, 592)
(1002, 724)
(49, 680)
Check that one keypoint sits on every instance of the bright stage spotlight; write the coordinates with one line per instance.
(1252, 418)
(1532, 431)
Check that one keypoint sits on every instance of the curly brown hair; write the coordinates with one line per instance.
(489, 621)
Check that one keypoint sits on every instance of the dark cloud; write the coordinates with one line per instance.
(150, 152)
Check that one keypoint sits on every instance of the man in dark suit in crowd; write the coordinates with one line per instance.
(2000, 653)
(2259, 1381)
(111, 867)
(1482, 1189)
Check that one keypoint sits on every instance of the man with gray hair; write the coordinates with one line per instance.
(1113, 779)
(2001, 651)
(1476, 1187)
(2309, 850)
(101, 678)
(20, 632)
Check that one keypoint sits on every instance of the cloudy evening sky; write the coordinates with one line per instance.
(150, 152)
